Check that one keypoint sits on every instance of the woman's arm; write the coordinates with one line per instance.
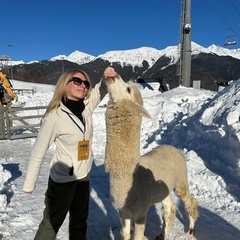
(45, 138)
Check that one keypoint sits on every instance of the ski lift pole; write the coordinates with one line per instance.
(186, 47)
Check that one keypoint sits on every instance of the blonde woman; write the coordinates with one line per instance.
(68, 124)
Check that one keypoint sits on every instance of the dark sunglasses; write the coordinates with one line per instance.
(78, 81)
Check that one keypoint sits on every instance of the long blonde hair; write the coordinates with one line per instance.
(60, 89)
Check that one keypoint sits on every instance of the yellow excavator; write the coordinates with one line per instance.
(6, 92)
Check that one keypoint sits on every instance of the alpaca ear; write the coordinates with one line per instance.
(143, 112)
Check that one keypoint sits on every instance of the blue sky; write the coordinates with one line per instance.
(42, 29)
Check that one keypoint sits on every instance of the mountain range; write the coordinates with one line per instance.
(213, 66)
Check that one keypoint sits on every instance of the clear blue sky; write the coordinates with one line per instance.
(42, 29)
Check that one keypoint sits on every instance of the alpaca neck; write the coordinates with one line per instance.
(119, 189)
(123, 124)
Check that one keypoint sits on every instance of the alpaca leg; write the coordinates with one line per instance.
(191, 208)
(125, 220)
(169, 213)
(140, 228)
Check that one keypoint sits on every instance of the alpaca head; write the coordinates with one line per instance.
(119, 90)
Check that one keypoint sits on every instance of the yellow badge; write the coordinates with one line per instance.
(83, 150)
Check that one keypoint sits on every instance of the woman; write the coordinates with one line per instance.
(67, 123)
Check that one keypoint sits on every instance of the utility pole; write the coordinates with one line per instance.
(185, 45)
(10, 45)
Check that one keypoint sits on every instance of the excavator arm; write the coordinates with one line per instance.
(6, 93)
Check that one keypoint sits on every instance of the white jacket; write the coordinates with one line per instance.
(57, 127)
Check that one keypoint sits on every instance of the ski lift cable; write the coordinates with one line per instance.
(235, 7)
(222, 18)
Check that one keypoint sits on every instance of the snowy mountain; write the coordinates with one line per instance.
(135, 57)
(220, 51)
(76, 57)
(210, 65)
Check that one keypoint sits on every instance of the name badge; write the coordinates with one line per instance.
(83, 150)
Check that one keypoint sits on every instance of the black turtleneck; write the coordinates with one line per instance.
(76, 107)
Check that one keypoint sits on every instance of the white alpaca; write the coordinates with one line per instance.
(137, 182)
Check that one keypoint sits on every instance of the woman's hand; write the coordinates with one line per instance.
(109, 73)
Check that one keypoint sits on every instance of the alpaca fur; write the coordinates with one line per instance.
(137, 181)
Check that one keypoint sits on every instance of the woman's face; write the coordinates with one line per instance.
(76, 92)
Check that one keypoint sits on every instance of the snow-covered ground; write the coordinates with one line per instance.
(205, 124)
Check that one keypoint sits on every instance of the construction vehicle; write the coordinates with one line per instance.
(6, 92)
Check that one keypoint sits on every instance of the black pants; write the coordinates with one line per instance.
(61, 198)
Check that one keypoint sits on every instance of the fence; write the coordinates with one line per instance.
(16, 123)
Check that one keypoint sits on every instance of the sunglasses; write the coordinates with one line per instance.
(78, 81)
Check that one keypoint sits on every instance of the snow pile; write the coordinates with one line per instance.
(204, 124)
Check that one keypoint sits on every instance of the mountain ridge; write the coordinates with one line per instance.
(172, 51)
(145, 62)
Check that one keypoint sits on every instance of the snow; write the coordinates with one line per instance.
(76, 57)
(135, 57)
(204, 124)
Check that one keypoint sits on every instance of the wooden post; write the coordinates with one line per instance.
(3, 110)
